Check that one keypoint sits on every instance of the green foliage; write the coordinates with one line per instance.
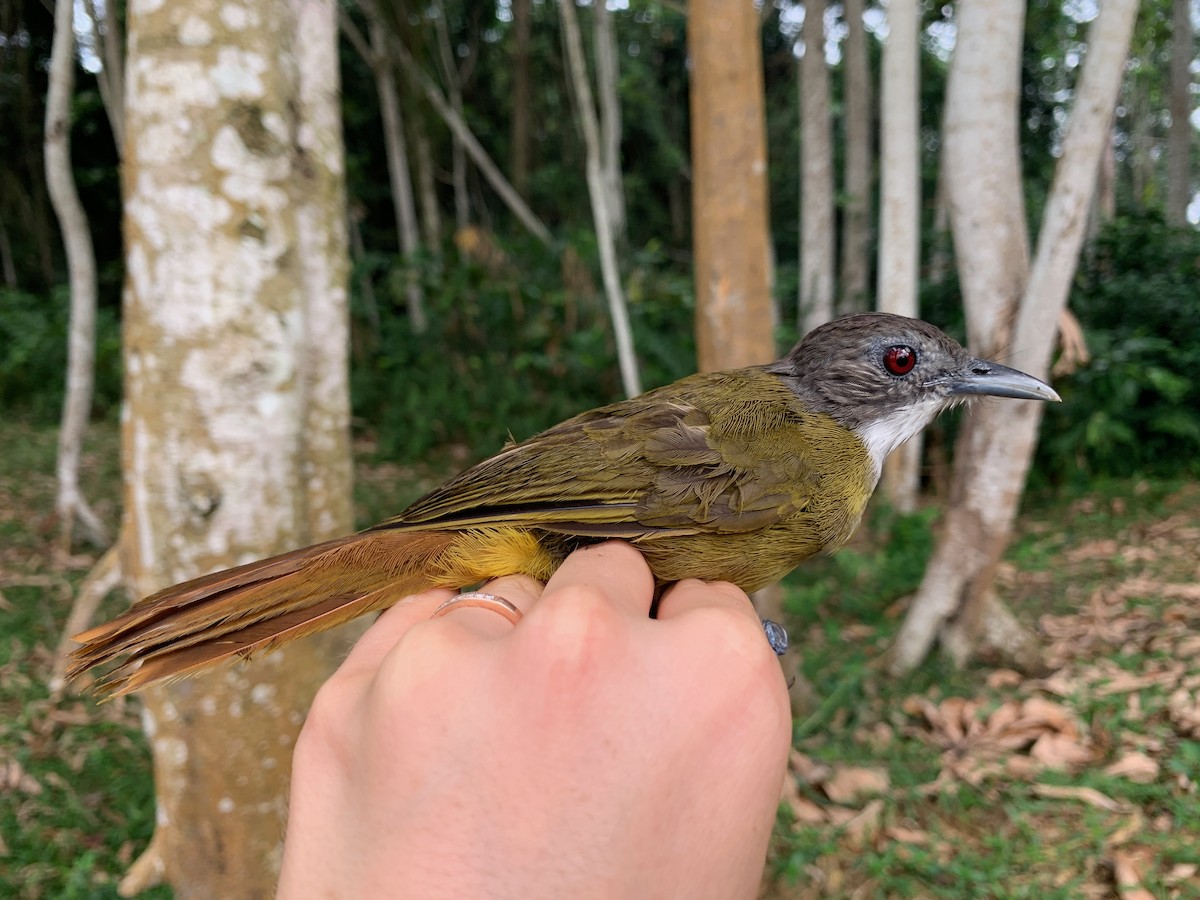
(508, 353)
(1136, 407)
(33, 355)
(861, 581)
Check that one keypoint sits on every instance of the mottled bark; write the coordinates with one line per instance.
(600, 196)
(853, 282)
(900, 210)
(735, 315)
(235, 438)
(816, 175)
(1179, 137)
(956, 600)
(70, 504)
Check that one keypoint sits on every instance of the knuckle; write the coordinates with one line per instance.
(575, 630)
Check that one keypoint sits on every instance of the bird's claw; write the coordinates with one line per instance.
(777, 636)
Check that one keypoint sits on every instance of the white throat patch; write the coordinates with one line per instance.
(883, 436)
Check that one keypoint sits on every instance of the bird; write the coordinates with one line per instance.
(735, 476)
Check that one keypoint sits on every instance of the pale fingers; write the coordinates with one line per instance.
(692, 593)
(389, 628)
(519, 590)
(613, 570)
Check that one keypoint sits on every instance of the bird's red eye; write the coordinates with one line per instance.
(899, 360)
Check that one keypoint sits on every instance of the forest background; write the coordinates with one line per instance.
(482, 306)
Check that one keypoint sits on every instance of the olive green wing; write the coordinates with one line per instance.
(712, 453)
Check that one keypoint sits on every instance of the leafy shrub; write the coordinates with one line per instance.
(509, 350)
(33, 355)
(1136, 407)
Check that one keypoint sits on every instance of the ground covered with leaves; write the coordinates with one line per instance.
(1079, 781)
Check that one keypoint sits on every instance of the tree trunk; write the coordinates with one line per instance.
(956, 601)
(235, 437)
(900, 211)
(816, 175)
(431, 216)
(607, 78)
(1104, 198)
(522, 98)
(598, 192)
(458, 159)
(462, 132)
(856, 210)
(1179, 137)
(7, 264)
(69, 503)
(399, 174)
(111, 78)
(1142, 144)
(735, 316)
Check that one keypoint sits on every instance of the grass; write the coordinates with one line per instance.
(1104, 577)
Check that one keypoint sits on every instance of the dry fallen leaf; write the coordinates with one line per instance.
(907, 835)
(1060, 751)
(849, 784)
(1090, 796)
(13, 777)
(1133, 826)
(1004, 678)
(1181, 872)
(1183, 708)
(862, 830)
(808, 769)
(1129, 868)
(1136, 766)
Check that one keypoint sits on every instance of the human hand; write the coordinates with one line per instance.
(587, 752)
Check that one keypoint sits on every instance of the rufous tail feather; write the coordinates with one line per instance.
(258, 606)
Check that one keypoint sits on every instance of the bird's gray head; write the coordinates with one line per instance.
(886, 377)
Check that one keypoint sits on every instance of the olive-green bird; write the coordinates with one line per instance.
(730, 476)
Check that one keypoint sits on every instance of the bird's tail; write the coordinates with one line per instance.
(258, 606)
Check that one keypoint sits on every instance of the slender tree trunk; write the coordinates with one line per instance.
(69, 503)
(235, 438)
(956, 600)
(900, 210)
(522, 98)
(7, 264)
(735, 316)
(940, 256)
(598, 191)
(431, 216)
(398, 171)
(1104, 200)
(607, 78)
(111, 78)
(1141, 144)
(1179, 137)
(816, 175)
(462, 132)
(458, 159)
(856, 211)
